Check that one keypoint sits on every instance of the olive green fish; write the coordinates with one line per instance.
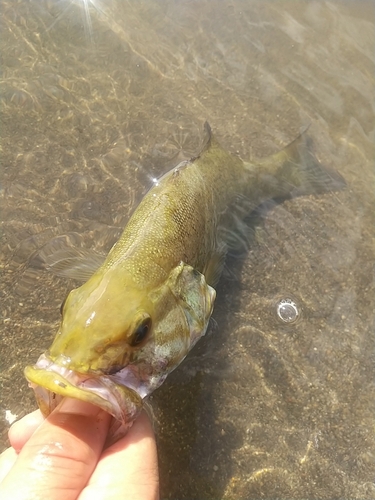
(142, 311)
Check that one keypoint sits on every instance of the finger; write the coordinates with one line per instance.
(128, 468)
(58, 459)
(22, 430)
(7, 460)
(18, 434)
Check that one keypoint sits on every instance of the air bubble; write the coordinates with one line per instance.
(287, 311)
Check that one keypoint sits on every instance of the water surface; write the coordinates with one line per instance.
(97, 103)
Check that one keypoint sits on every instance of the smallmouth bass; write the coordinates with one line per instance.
(142, 311)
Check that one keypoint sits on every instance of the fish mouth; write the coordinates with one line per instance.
(52, 381)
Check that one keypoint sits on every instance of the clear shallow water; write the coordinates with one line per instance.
(92, 113)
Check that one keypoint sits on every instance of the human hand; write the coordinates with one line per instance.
(62, 457)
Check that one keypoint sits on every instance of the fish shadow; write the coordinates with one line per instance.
(188, 408)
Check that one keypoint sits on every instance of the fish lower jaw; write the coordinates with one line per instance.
(52, 382)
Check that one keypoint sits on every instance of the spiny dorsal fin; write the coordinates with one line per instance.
(207, 139)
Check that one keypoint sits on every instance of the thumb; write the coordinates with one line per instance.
(59, 458)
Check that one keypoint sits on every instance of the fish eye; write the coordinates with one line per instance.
(141, 332)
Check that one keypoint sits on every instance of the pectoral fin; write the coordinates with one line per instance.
(214, 267)
(79, 264)
(195, 296)
(67, 261)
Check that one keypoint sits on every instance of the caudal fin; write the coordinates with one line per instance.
(299, 172)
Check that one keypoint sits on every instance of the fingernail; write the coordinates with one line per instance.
(78, 407)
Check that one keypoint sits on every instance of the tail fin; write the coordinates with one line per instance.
(299, 172)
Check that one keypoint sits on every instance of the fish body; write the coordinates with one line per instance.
(141, 312)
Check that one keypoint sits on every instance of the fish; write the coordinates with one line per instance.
(141, 312)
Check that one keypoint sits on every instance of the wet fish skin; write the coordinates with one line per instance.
(141, 312)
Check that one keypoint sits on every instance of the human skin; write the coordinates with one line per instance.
(62, 457)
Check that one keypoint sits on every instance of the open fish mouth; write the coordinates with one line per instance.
(52, 382)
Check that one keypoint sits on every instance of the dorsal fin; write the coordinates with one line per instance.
(207, 129)
(207, 141)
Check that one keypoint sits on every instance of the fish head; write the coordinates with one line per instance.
(118, 341)
(104, 322)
